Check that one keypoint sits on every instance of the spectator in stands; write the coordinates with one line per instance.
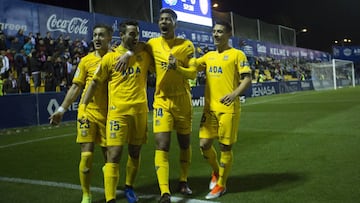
(16, 45)
(50, 82)
(5, 65)
(32, 39)
(221, 113)
(49, 65)
(10, 85)
(28, 47)
(47, 39)
(2, 40)
(69, 70)
(35, 67)
(59, 70)
(63, 85)
(51, 48)
(10, 55)
(60, 46)
(261, 77)
(1, 85)
(24, 81)
(20, 61)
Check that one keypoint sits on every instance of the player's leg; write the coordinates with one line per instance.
(116, 137)
(207, 133)
(86, 135)
(162, 127)
(228, 126)
(111, 172)
(85, 170)
(182, 113)
(137, 137)
(132, 167)
(162, 142)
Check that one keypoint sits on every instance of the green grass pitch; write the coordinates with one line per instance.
(299, 147)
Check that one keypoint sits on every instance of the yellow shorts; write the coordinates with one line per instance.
(172, 113)
(221, 126)
(95, 130)
(126, 129)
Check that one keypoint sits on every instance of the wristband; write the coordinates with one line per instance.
(61, 109)
(130, 53)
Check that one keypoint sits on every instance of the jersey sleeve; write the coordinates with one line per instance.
(80, 73)
(242, 63)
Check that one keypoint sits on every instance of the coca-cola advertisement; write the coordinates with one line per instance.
(66, 22)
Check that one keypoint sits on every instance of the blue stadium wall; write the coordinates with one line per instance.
(21, 110)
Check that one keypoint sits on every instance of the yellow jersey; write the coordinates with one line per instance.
(170, 82)
(83, 76)
(127, 89)
(223, 72)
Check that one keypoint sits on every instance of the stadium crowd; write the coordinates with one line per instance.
(31, 62)
(38, 61)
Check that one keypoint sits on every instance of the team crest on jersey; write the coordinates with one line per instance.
(226, 57)
(84, 133)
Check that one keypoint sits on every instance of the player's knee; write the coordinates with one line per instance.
(205, 144)
(114, 154)
(134, 151)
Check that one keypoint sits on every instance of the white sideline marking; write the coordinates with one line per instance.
(95, 189)
(35, 140)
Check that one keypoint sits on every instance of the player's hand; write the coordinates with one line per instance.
(83, 118)
(122, 62)
(56, 118)
(228, 99)
(172, 62)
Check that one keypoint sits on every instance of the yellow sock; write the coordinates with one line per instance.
(211, 156)
(162, 170)
(185, 160)
(226, 160)
(85, 172)
(111, 179)
(132, 167)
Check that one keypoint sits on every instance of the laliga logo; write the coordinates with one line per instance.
(75, 25)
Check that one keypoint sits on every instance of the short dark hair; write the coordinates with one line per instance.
(169, 11)
(106, 27)
(122, 26)
(226, 24)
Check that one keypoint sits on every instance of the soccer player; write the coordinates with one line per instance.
(228, 75)
(94, 131)
(127, 114)
(172, 100)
